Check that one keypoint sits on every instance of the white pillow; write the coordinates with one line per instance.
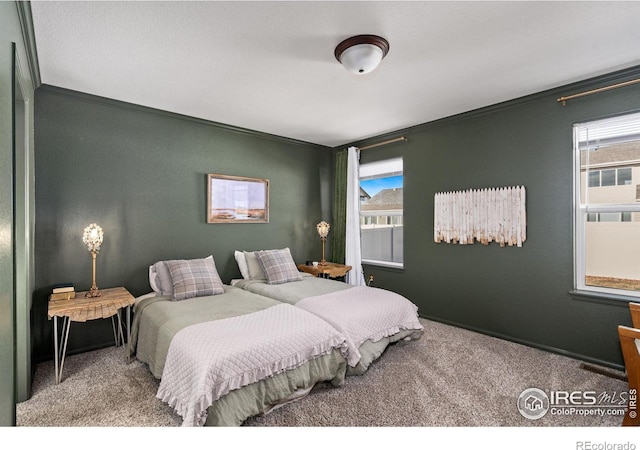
(242, 264)
(160, 279)
(153, 279)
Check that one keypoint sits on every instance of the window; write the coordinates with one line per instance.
(381, 213)
(624, 177)
(609, 217)
(607, 205)
(611, 177)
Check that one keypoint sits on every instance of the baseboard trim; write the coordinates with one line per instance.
(547, 348)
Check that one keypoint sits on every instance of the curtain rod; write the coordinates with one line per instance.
(596, 91)
(391, 141)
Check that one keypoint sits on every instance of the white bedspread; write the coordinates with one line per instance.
(207, 360)
(364, 313)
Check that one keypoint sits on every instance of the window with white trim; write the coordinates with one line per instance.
(381, 213)
(607, 205)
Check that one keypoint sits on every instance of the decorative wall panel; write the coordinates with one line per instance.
(481, 215)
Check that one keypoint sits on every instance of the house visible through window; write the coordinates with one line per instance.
(381, 212)
(607, 211)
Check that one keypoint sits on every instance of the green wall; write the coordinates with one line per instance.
(521, 294)
(141, 175)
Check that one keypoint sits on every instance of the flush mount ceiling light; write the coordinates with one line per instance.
(361, 54)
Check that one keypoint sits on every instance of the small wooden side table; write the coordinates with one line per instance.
(328, 270)
(81, 309)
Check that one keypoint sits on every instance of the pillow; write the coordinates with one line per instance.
(153, 279)
(160, 279)
(194, 278)
(278, 266)
(253, 266)
(242, 264)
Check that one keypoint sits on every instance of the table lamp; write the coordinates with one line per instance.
(92, 238)
(323, 231)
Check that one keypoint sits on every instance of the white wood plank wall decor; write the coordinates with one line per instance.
(481, 215)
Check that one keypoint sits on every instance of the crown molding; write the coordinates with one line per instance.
(29, 37)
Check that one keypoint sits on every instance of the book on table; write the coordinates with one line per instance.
(63, 291)
(63, 295)
(64, 287)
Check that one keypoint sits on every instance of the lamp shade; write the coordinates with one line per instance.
(92, 237)
(323, 229)
(361, 54)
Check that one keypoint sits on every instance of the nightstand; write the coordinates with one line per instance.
(81, 309)
(328, 270)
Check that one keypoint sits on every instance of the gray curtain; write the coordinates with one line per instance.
(338, 227)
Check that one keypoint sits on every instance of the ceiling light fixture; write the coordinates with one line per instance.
(361, 54)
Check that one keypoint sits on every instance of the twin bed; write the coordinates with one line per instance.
(224, 353)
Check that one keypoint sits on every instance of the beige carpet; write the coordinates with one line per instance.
(451, 377)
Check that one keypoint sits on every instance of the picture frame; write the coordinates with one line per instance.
(234, 199)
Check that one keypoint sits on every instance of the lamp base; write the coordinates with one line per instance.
(93, 292)
(323, 261)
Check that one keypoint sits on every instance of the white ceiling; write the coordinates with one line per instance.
(269, 66)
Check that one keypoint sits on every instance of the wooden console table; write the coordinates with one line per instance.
(81, 309)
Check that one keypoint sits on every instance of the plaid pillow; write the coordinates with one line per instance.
(194, 278)
(278, 266)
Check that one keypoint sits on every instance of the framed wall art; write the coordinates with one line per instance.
(232, 199)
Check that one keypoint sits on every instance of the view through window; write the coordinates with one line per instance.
(381, 212)
(607, 213)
